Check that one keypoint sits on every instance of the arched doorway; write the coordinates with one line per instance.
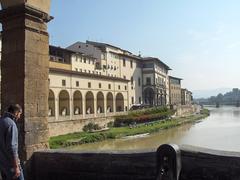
(77, 103)
(149, 96)
(109, 102)
(89, 103)
(100, 102)
(51, 104)
(64, 103)
(119, 102)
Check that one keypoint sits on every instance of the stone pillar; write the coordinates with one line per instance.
(105, 105)
(25, 69)
(56, 109)
(71, 107)
(83, 106)
(95, 105)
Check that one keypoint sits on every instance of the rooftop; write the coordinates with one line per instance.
(156, 60)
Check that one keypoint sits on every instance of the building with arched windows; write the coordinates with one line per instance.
(94, 82)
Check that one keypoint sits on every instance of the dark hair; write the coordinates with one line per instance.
(13, 108)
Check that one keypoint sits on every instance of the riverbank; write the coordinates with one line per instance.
(115, 133)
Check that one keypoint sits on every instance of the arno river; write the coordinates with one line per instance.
(221, 130)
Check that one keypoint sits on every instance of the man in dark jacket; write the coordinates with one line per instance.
(9, 161)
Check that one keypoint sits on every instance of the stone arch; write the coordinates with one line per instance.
(77, 103)
(148, 96)
(109, 102)
(64, 103)
(89, 103)
(119, 102)
(100, 102)
(51, 103)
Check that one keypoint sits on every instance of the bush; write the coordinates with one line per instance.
(110, 124)
(91, 127)
(145, 116)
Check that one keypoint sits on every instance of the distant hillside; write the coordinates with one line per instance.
(229, 98)
(208, 93)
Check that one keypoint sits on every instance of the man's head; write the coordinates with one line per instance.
(16, 110)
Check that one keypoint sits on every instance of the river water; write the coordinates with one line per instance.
(221, 130)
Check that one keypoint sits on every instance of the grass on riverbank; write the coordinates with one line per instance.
(114, 133)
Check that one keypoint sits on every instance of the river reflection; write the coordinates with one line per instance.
(221, 130)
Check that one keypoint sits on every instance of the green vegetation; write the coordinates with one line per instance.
(91, 127)
(143, 116)
(113, 133)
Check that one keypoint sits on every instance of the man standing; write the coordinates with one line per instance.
(9, 161)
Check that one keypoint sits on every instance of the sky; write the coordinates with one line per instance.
(198, 39)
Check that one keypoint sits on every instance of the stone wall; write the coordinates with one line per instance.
(70, 126)
(94, 166)
(197, 164)
(185, 110)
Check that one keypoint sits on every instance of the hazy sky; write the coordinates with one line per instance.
(198, 39)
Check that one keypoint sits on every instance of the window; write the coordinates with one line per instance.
(131, 64)
(89, 61)
(124, 62)
(132, 100)
(148, 81)
(131, 80)
(89, 85)
(77, 83)
(100, 85)
(109, 86)
(139, 81)
(124, 77)
(115, 68)
(63, 82)
(84, 60)
(76, 69)
(119, 87)
(125, 87)
(140, 100)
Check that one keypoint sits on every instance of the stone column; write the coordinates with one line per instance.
(105, 105)
(83, 107)
(25, 69)
(56, 109)
(95, 105)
